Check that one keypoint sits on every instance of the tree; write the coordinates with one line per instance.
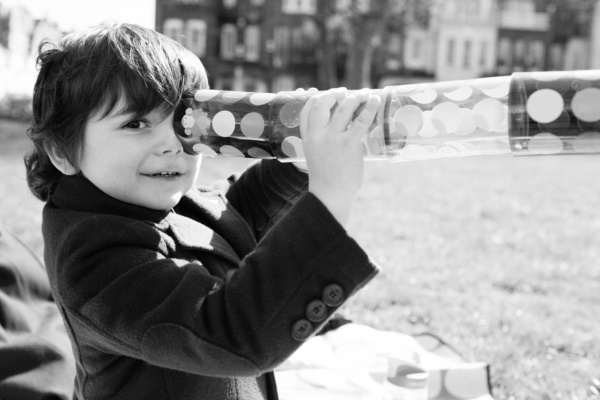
(363, 26)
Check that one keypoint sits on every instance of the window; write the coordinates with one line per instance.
(297, 42)
(535, 57)
(483, 54)
(467, 54)
(281, 52)
(299, 7)
(195, 31)
(393, 52)
(416, 48)
(252, 42)
(520, 51)
(173, 28)
(257, 2)
(283, 83)
(450, 52)
(505, 53)
(228, 41)
(557, 57)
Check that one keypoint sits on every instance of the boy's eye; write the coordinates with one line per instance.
(138, 124)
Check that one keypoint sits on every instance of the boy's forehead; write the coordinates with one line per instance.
(105, 110)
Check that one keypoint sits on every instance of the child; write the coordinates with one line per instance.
(169, 291)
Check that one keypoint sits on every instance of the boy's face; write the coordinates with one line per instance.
(139, 161)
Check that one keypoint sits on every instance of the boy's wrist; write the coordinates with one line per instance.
(339, 206)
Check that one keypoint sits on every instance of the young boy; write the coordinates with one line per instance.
(169, 291)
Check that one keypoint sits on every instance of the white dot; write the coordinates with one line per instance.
(252, 125)
(587, 75)
(425, 96)
(459, 94)
(545, 143)
(588, 142)
(256, 152)
(292, 147)
(498, 91)
(188, 121)
(408, 120)
(204, 150)
(545, 105)
(407, 88)
(224, 123)
(259, 99)
(232, 97)
(202, 124)
(446, 117)
(205, 94)
(289, 114)
(228, 150)
(489, 114)
(586, 104)
(547, 76)
(467, 122)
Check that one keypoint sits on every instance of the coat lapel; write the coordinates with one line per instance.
(209, 224)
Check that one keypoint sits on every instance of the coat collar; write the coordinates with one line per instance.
(201, 221)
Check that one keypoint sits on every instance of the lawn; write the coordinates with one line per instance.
(498, 255)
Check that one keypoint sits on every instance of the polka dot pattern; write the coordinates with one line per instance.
(526, 113)
(561, 113)
(447, 119)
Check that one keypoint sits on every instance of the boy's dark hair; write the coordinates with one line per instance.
(86, 74)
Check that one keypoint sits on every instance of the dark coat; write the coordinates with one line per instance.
(185, 304)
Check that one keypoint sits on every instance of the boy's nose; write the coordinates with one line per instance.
(169, 143)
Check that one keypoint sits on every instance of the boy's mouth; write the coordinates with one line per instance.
(165, 174)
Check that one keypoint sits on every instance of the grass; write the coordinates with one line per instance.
(500, 256)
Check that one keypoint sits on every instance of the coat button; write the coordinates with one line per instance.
(316, 311)
(301, 330)
(333, 295)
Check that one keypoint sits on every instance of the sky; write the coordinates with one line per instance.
(78, 14)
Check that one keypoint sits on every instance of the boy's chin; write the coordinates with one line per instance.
(163, 204)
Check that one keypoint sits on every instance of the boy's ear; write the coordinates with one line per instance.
(60, 162)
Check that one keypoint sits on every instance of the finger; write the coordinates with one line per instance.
(366, 117)
(364, 93)
(320, 112)
(342, 115)
(305, 114)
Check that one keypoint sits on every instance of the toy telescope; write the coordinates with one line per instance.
(528, 113)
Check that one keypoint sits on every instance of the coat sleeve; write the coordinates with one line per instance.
(265, 192)
(124, 298)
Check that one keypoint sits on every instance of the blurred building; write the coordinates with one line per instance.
(271, 45)
(251, 45)
(20, 35)
(465, 34)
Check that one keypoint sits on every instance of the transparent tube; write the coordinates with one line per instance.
(523, 114)
(555, 113)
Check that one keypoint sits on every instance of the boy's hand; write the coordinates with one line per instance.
(333, 146)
